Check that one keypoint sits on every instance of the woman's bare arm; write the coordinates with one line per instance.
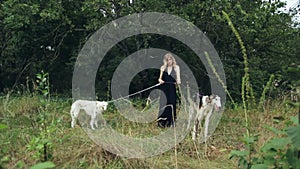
(160, 75)
(177, 70)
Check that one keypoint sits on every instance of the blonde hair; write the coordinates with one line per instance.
(166, 57)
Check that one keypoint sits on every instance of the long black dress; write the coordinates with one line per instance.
(165, 115)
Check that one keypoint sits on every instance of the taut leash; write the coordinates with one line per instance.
(134, 93)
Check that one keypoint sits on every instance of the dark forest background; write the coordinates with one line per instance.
(48, 35)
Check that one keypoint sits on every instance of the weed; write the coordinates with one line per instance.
(278, 152)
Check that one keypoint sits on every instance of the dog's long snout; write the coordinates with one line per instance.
(217, 108)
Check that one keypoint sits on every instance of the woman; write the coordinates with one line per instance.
(168, 78)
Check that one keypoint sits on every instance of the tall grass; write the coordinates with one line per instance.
(219, 78)
(278, 152)
(246, 78)
(246, 87)
(71, 148)
(266, 89)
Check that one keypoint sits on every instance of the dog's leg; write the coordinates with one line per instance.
(199, 118)
(74, 113)
(92, 122)
(195, 128)
(207, 119)
(95, 121)
(73, 118)
(194, 133)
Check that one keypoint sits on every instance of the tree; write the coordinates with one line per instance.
(39, 35)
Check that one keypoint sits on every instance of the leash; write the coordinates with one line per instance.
(134, 93)
(141, 91)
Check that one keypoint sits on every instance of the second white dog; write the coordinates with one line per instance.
(208, 105)
(92, 108)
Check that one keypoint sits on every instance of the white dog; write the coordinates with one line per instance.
(92, 108)
(209, 103)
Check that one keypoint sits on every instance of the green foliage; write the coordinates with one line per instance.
(293, 133)
(275, 153)
(48, 35)
(242, 156)
(278, 151)
(43, 85)
(41, 143)
(43, 165)
(3, 126)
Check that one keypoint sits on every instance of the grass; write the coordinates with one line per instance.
(72, 148)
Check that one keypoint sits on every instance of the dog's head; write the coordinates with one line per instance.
(102, 105)
(217, 102)
(213, 99)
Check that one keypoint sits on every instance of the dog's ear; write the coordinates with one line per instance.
(207, 99)
(212, 96)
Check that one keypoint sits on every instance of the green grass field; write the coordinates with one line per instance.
(23, 137)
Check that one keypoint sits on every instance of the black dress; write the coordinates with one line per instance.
(165, 115)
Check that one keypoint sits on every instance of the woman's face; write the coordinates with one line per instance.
(169, 61)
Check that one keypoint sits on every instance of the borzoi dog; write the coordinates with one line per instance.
(209, 103)
(92, 108)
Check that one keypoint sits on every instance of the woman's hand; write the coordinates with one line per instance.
(161, 81)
